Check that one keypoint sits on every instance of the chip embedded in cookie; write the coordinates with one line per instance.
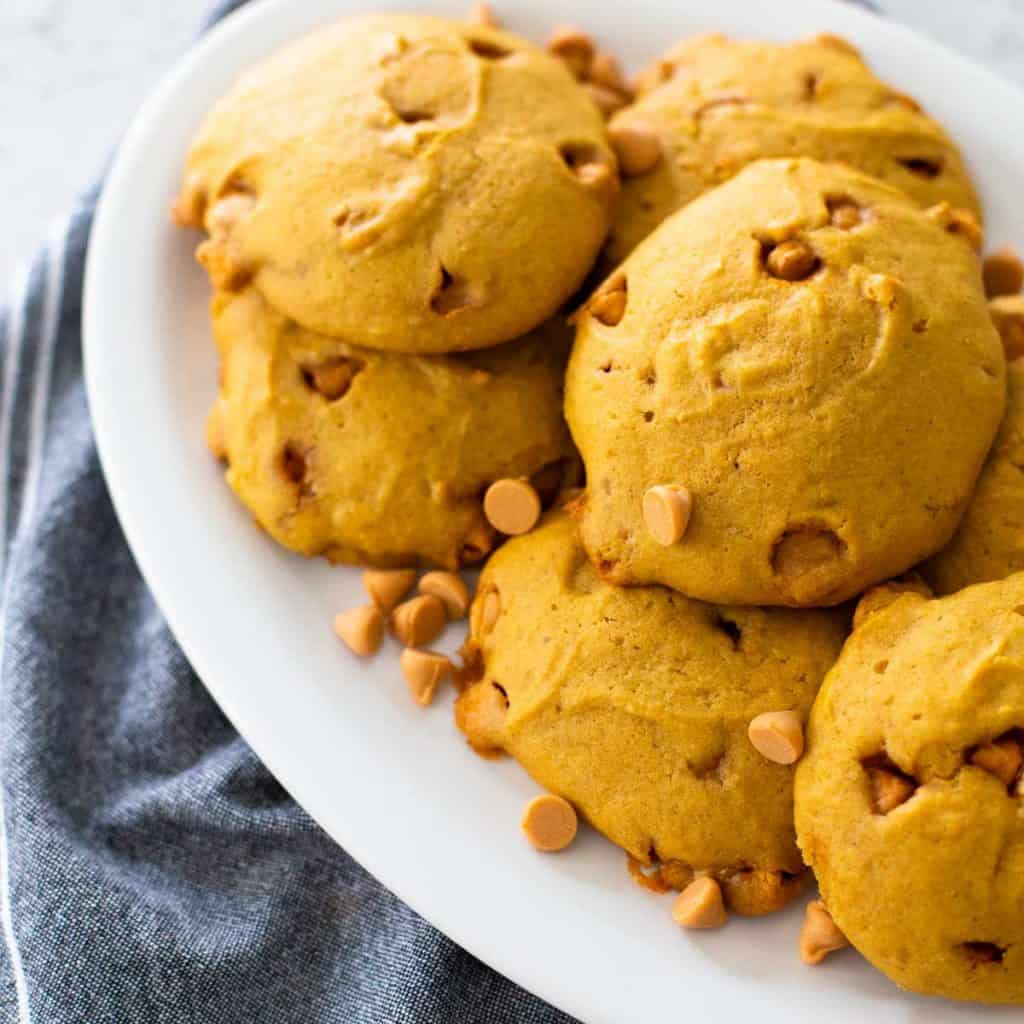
(640, 707)
(908, 797)
(714, 105)
(404, 182)
(379, 458)
(989, 543)
(823, 394)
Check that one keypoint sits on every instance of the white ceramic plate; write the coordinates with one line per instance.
(394, 784)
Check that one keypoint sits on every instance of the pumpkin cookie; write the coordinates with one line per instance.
(374, 457)
(908, 799)
(787, 392)
(637, 705)
(989, 544)
(714, 105)
(405, 183)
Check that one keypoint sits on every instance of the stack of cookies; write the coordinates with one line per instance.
(794, 385)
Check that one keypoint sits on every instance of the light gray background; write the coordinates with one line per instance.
(73, 71)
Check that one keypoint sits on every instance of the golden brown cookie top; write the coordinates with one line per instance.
(404, 182)
(636, 705)
(823, 389)
(908, 798)
(375, 457)
(713, 105)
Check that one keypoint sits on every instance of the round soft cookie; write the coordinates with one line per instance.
(374, 457)
(715, 104)
(778, 405)
(909, 799)
(405, 183)
(635, 704)
(989, 543)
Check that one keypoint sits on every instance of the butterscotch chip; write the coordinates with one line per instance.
(227, 212)
(388, 586)
(333, 378)
(700, 905)
(1002, 758)
(573, 47)
(637, 148)
(958, 221)
(1003, 273)
(549, 823)
(188, 208)
(424, 671)
(888, 789)
(606, 70)
(450, 589)
(609, 307)
(477, 543)
(667, 512)
(792, 261)
(419, 620)
(845, 216)
(361, 629)
(1008, 316)
(778, 736)
(480, 14)
(819, 935)
(607, 100)
(512, 506)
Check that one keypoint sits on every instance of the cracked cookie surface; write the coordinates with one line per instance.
(908, 799)
(634, 705)
(713, 105)
(378, 458)
(385, 180)
(823, 386)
